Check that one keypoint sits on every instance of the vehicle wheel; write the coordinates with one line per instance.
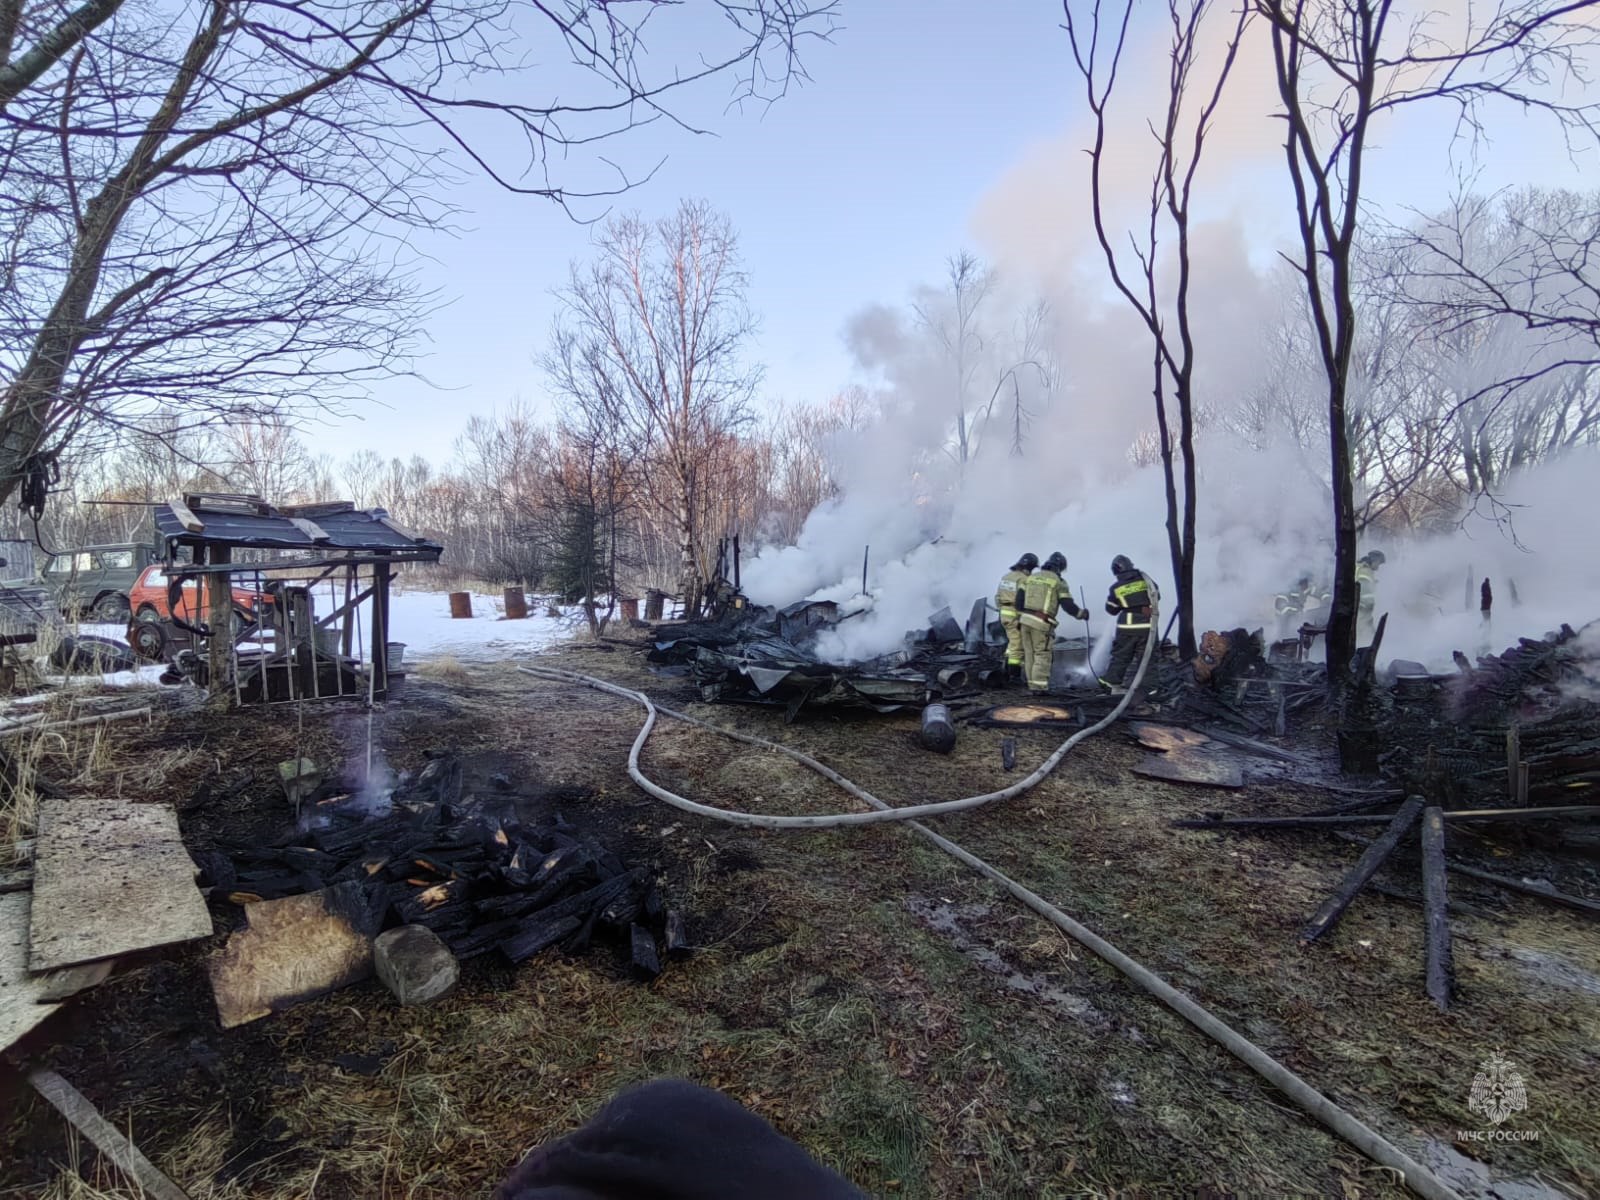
(147, 615)
(149, 641)
(110, 609)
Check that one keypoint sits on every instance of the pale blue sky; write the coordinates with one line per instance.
(849, 191)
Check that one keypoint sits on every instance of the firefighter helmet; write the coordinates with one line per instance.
(1027, 562)
(1121, 564)
(1057, 562)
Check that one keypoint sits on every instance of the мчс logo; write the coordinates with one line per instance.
(1497, 1092)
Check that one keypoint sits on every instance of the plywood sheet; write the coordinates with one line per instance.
(110, 878)
(1189, 766)
(292, 950)
(20, 990)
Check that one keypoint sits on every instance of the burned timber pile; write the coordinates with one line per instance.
(1522, 727)
(769, 656)
(479, 884)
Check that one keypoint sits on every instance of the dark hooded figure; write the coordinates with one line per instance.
(673, 1140)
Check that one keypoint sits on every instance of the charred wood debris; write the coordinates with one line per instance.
(1452, 771)
(480, 883)
(1497, 763)
(772, 656)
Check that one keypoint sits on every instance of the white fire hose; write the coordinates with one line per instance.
(1381, 1151)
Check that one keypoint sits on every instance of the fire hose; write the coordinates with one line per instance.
(1371, 1143)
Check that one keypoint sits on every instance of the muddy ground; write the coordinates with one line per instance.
(897, 1014)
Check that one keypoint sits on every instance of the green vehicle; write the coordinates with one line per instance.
(93, 583)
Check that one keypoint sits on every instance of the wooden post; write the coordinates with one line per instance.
(516, 604)
(1513, 762)
(1523, 770)
(348, 623)
(380, 627)
(1366, 866)
(460, 604)
(219, 589)
(654, 600)
(1435, 909)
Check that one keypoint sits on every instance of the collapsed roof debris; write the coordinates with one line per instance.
(769, 656)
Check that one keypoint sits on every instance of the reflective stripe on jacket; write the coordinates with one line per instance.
(1005, 596)
(1129, 600)
(1041, 595)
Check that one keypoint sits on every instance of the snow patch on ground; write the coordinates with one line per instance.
(422, 621)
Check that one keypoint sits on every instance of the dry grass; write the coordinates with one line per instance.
(194, 1163)
(821, 1000)
(444, 668)
(83, 759)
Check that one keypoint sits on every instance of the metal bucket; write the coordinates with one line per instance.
(396, 653)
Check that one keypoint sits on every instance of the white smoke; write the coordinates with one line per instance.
(941, 532)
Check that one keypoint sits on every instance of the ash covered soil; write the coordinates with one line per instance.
(896, 1014)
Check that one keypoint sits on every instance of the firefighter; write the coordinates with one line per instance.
(1006, 600)
(1129, 599)
(1044, 593)
(1367, 583)
(1298, 606)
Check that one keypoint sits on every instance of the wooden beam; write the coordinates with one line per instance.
(84, 1117)
(310, 528)
(186, 517)
(1366, 866)
(1435, 909)
(1545, 892)
(350, 603)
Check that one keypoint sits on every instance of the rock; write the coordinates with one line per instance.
(415, 965)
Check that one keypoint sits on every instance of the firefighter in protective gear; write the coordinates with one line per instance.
(1367, 583)
(1006, 599)
(1043, 595)
(1129, 599)
(1299, 605)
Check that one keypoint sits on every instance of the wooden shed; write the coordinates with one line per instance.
(282, 603)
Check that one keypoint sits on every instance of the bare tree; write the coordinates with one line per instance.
(1341, 64)
(952, 319)
(206, 207)
(655, 330)
(266, 458)
(1180, 135)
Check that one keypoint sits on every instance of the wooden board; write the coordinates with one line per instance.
(1167, 737)
(1028, 714)
(110, 878)
(1206, 770)
(20, 990)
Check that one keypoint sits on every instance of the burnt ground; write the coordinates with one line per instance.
(895, 1013)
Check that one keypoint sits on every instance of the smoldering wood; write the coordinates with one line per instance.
(476, 883)
(677, 936)
(646, 961)
(1435, 908)
(536, 937)
(1366, 867)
